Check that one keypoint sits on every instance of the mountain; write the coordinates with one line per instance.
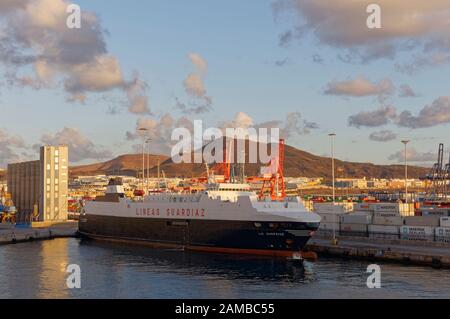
(128, 164)
(297, 163)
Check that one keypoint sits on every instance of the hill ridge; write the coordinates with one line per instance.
(297, 163)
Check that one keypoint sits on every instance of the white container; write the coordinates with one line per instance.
(330, 217)
(444, 222)
(385, 207)
(329, 208)
(386, 214)
(435, 212)
(392, 221)
(329, 226)
(356, 219)
(442, 234)
(383, 236)
(381, 229)
(432, 221)
(354, 228)
(420, 233)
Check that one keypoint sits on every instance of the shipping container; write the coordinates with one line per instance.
(329, 208)
(435, 212)
(419, 233)
(384, 207)
(361, 207)
(382, 229)
(383, 236)
(330, 217)
(432, 221)
(442, 234)
(386, 214)
(354, 228)
(356, 219)
(329, 226)
(444, 222)
(404, 209)
(393, 221)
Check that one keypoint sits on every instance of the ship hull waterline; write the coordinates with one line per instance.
(275, 239)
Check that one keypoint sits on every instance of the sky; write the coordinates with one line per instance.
(307, 67)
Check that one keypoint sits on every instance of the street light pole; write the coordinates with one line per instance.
(405, 142)
(143, 132)
(332, 136)
(148, 162)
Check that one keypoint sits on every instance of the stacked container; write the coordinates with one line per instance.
(355, 224)
(442, 234)
(417, 233)
(431, 220)
(330, 215)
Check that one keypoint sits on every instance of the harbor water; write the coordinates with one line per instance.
(38, 270)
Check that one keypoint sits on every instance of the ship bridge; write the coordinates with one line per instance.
(230, 191)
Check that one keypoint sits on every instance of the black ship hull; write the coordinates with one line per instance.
(245, 237)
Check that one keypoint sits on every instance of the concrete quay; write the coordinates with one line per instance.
(38, 231)
(399, 251)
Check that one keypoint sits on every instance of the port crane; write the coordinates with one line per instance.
(273, 183)
(446, 176)
(438, 178)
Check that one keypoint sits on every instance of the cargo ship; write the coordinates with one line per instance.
(224, 218)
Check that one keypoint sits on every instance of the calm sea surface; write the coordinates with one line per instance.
(38, 270)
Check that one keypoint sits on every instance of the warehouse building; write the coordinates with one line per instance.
(39, 188)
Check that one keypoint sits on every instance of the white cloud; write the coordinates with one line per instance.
(80, 147)
(34, 38)
(375, 118)
(137, 96)
(360, 87)
(10, 147)
(199, 62)
(293, 125)
(413, 25)
(101, 74)
(413, 155)
(240, 120)
(437, 113)
(159, 131)
(431, 115)
(194, 86)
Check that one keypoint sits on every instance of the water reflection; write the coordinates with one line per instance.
(228, 269)
(34, 270)
(111, 270)
(52, 263)
(226, 266)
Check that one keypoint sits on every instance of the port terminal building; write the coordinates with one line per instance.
(39, 189)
